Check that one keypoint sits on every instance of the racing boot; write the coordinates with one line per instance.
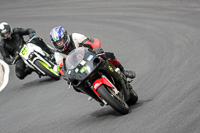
(28, 70)
(128, 74)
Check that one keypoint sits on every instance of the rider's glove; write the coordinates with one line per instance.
(99, 51)
(31, 35)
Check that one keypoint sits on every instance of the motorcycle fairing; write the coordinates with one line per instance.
(84, 68)
(28, 49)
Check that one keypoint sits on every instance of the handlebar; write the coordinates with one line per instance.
(30, 39)
(103, 56)
(17, 53)
(15, 59)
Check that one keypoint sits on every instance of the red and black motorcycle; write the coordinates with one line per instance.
(99, 79)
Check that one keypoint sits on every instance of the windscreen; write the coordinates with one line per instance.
(75, 57)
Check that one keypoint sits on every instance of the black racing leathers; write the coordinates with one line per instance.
(9, 47)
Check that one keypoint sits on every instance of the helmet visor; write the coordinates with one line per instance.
(60, 42)
(5, 34)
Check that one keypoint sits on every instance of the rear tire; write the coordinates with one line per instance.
(134, 97)
(115, 103)
(45, 68)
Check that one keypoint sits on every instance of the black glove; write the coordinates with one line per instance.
(99, 51)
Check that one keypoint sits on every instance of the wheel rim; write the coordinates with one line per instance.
(117, 97)
(50, 69)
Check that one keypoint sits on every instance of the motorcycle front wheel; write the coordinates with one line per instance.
(114, 101)
(48, 70)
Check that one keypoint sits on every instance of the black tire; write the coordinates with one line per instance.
(49, 71)
(134, 97)
(119, 106)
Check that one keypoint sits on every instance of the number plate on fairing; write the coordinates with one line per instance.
(23, 50)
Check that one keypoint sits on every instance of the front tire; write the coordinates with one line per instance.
(115, 103)
(45, 68)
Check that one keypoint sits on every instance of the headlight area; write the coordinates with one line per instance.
(31, 56)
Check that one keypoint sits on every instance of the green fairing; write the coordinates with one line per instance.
(50, 69)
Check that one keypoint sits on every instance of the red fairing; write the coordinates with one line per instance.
(99, 82)
(61, 72)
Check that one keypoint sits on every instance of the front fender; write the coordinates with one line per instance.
(99, 82)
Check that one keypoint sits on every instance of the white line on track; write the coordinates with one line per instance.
(5, 75)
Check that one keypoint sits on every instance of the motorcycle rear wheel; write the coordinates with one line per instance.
(45, 68)
(134, 97)
(119, 105)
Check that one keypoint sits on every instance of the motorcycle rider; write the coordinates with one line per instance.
(11, 41)
(65, 43)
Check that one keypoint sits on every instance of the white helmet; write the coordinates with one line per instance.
(5, 30)
(59, 34)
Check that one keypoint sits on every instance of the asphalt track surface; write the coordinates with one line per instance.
(159, 39)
